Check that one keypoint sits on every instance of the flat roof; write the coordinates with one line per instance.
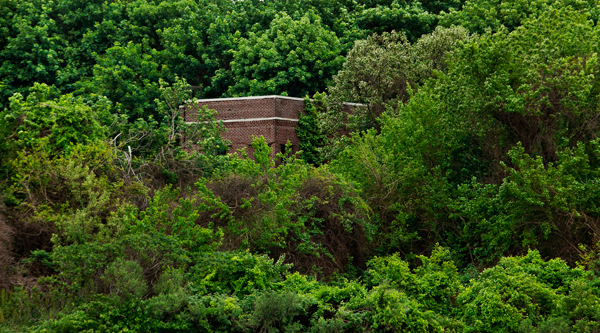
(245, 98)
(249, 119)
(256, 97)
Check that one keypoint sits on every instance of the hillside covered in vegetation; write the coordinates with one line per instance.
(466, 197)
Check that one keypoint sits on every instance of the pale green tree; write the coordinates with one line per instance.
(382, 71)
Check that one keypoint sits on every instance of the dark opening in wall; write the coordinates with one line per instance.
(286, 151)
(222, 150)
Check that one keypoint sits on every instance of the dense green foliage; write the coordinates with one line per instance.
(293, 58)
(120, 49)
(495, 155)
(308, 130)
(461, 193)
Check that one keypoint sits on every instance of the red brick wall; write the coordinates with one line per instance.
(286, 108)
(244, 108)
(275, 131)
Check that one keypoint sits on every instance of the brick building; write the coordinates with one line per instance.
(274, 117)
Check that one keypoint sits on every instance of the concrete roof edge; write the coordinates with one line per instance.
(246, 98)
(242, 120)
(256, 97)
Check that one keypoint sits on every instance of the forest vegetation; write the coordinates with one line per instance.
(465, 198)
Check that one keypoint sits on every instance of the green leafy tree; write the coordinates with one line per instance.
(398, 174)
(339, 16)
(31, 49)
(292, 57)
(129, 74)
(62, 120)
(548, 207)
(536, 85)
(519, 293)
(308, 130)
(479, 15)
(437, 6)
(407, 17)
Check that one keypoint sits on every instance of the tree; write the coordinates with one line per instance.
(62, 120)
(292, 57)
(308, 130)
(382, 71)
(409, 18)
(535, 85)
(129, 74)
(479, 15)
(31, 47)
